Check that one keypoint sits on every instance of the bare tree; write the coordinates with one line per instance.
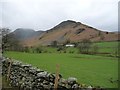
(84, 46)
(9, 42)
(95, 49)
(5, 37)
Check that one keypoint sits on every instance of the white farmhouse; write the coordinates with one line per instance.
(70, 45)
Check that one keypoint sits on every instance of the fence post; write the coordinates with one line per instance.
(9, 69)
(56, 77)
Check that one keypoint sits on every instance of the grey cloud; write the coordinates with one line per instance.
(44, 14)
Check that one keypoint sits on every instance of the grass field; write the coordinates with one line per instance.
(108, 44)
(104, 48)
(88, 69)
(108, 47)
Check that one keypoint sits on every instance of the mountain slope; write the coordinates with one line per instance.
(73, 31)
(22, 34)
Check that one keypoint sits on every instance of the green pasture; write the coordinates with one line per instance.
(108, 47)
(105, 48)
(108, 44)
(88, 69)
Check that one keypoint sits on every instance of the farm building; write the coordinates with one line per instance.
(70, 45)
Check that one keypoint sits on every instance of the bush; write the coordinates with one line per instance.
(39, 49)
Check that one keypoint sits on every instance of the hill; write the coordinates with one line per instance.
(24, 33)
(66, 30)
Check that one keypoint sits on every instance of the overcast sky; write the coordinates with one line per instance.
(45, 14)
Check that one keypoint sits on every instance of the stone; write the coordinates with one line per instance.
(42, 74)
(71, 80)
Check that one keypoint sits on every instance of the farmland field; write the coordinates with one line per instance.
(104, 48)
(108, 47)
(88, 69)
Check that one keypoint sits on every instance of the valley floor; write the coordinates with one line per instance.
(88, 69)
